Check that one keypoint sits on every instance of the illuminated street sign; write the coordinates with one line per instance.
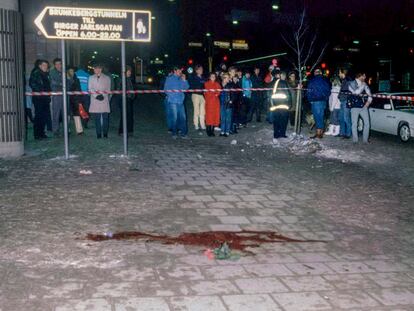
(222, 44)
(95, 24)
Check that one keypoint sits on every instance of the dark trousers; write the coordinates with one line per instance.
(130, 117)
(42, 115)
(102, 124)
(255, 108)
(244, 110)
(280, 121)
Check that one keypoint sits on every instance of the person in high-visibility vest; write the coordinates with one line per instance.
(280, 106)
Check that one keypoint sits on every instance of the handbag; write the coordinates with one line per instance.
(82, 112)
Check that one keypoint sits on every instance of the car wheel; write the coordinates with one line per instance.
(360, 125)
(404, 133)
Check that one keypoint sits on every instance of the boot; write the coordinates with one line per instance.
(336, 130)
(320, 133)
(208, 130)
(330, 130)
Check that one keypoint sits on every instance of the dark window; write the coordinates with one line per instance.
(379, 103)
(403, 104)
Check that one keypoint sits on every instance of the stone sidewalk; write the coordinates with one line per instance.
(46, 207)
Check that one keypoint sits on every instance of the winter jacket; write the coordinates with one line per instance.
(257, 82)
(247, 84)
(175, 82)
(129, 86)
(56, 80)
(358, 88)
(196, 83)
(334, 102)
(83, 77)
(228, 99)
(282, 89)
(101, 83)
(318, 89)
(343, 96)
(74, 100)
(39, 82)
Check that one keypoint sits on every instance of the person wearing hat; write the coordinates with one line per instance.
(318, 94)
(100, 102)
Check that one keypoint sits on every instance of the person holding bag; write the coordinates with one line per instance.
(100, 102)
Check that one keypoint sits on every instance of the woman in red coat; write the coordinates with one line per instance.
(212, 104)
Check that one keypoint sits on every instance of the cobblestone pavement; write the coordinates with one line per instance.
(165, 186)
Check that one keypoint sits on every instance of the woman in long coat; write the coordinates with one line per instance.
(100, 102)
(212, 104)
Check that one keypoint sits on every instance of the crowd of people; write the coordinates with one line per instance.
(216, 105)
(223, 109)
(49, 108)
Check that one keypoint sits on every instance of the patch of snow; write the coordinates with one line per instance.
(233, 142)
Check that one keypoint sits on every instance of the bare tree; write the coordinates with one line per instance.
(307, 51)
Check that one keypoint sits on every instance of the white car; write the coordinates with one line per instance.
(392, 116)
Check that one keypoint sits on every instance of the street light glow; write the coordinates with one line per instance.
(208, 34)
(275, 7)
(235, 22)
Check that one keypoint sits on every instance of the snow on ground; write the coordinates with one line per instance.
(328, 148)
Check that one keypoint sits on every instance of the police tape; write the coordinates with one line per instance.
(119, 92)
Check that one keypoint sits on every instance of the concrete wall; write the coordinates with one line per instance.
(9, 5)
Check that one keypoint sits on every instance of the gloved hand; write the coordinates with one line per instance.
(100, 97)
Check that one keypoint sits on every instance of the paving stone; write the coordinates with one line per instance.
(142, 304)
(264, 219)
(122, 289)
(84, 305)
(212, 212)
(226, 198)
(218, 287)
(180, 272)
(197, 303)
(225, 227)
(307, 301)
(280, 197)
(264, 270)
(253, 197)
(386, 266)
(260, 285)
(393, 296)
(275, 258)
(220, 205)
(306, 283)
(349, 267)
(391, 279)
(350, 281)
(225, 272)
(311, 268)
(313, 257)
(250, 302)
(200, 198)
(350, 299)
(164, 288)
(233, 220)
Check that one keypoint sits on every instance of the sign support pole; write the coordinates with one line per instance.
(65, 107)
(124, 110)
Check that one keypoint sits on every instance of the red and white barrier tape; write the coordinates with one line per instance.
(396, 97)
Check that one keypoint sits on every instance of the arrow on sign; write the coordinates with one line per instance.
(38, 21)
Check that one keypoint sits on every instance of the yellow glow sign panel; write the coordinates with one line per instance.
(95, 24)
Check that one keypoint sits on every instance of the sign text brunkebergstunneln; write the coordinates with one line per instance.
(95, 24)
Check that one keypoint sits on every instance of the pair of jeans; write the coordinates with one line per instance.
(364, 114)
(42, 113)
(102, 124)
(129, 118)
(226, 119)
(177, 118)
(280, 121)
(318, 111)
(345, 120)
(335, 117)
